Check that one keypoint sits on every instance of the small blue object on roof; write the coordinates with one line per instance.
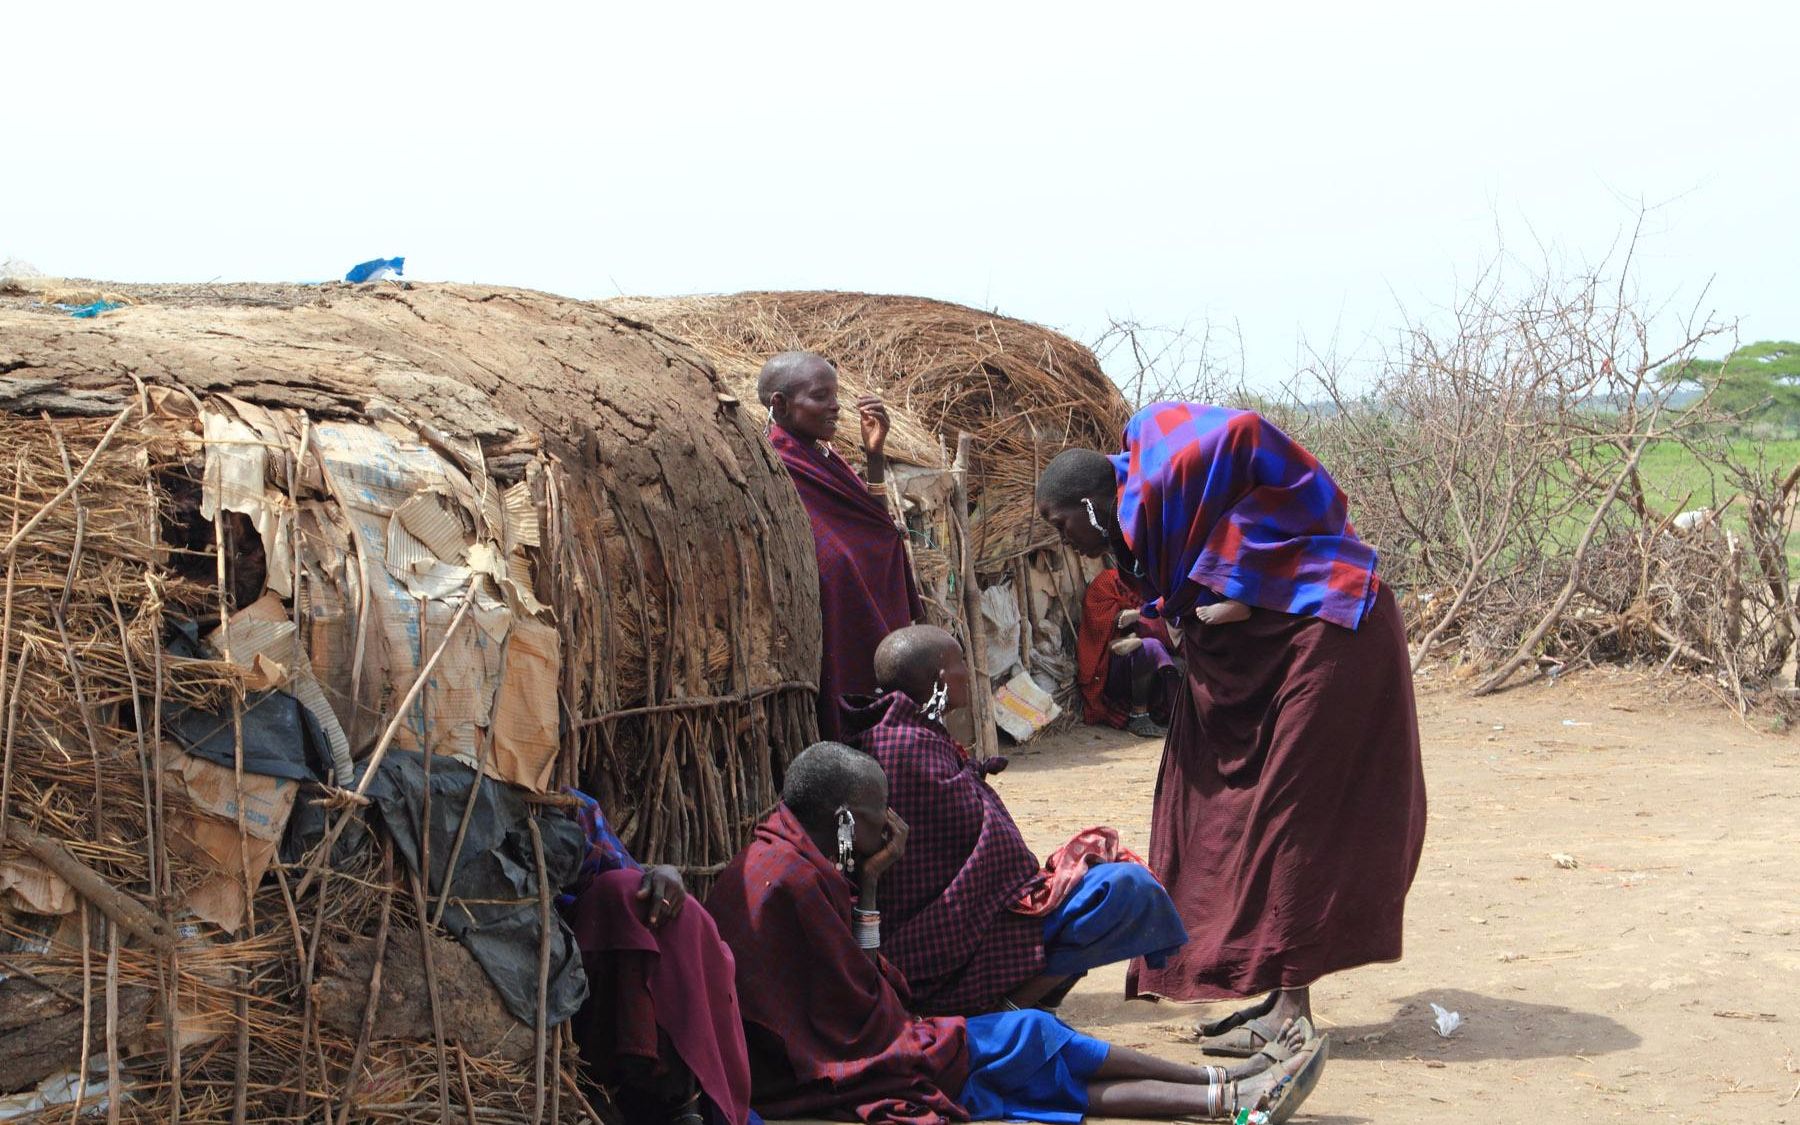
(91, 310)
(379, 269)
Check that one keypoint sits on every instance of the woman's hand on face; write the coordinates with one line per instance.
(892, 848)
(663, 889)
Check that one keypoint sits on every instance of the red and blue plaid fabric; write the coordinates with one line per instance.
(946, 907)
(1224, 499)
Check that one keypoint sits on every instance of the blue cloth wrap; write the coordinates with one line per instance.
(1029, 1066)
(1118, 911)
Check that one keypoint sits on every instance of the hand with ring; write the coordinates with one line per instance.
(664, 891)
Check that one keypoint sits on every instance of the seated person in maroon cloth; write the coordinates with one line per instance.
(828, 1019)
(866, 586)
(970, 915)
(660, 1028)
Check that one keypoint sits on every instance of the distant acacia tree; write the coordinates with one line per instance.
(1758, 382)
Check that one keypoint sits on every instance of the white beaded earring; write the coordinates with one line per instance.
(1092, 517)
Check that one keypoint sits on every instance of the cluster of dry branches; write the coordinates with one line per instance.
(1496, 456)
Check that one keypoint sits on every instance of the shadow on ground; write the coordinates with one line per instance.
(1541, 1031)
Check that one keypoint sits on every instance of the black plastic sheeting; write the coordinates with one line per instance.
(493, 908)
(281, 738)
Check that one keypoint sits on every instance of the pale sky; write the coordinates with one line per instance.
(1303, 172)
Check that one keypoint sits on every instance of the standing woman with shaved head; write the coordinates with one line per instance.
(866, 585)
(1290, 807)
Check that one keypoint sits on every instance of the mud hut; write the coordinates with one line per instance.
(1020, 391)
(271, 553)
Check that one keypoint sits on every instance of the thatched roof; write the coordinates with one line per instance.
(1022, 391)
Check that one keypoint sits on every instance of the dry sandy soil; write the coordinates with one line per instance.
(1659, 980)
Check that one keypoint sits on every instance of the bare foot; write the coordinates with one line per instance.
(1221, 613)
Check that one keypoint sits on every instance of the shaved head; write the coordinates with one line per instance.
(910, 659)
(826, 775)
(785, 373)
(1075, 475)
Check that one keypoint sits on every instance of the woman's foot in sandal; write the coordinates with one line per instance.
(1289, 1041)
(1238, 1018)
(1248, 1039)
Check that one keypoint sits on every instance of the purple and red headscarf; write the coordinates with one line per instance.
(1222, 498)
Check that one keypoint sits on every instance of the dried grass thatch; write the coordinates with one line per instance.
(666, 554)
(1022, 391)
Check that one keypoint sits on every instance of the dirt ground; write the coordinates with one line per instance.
(1657, 980)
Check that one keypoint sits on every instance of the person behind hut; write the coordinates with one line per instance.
(1290, 807)
(660, 1028)
(828, 1021)
(1123, 664)
(970, 916)
(866, 584)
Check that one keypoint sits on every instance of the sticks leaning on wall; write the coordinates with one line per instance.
(981, 702)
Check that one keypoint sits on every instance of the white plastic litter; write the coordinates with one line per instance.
(1022, 708)
(51, 1092)
(1001, 609)
(1445, 1022)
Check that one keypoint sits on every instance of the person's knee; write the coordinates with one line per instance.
(1131, 878)
(613, 890)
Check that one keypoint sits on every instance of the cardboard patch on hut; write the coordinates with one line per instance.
(417, 529)
(30, 886)
(209, 837)
(428, 536)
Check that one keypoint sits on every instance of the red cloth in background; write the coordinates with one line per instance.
(1108, 595)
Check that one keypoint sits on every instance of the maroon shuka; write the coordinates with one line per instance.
(947, 917)
(866, 587)
(1290, 807)
(677, 978)
(829, 1030)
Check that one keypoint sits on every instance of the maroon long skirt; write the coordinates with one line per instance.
(1290, 809)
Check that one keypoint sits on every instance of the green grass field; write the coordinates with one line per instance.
(1671, 472)
(1675, 478)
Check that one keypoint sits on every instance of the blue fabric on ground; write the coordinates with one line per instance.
(1029, 1066)
(1118, 911)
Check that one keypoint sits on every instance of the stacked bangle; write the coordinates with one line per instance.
(867, 924)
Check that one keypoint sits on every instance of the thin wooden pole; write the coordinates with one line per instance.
(981, 702)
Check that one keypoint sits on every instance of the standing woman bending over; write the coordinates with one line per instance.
(1290, 807)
